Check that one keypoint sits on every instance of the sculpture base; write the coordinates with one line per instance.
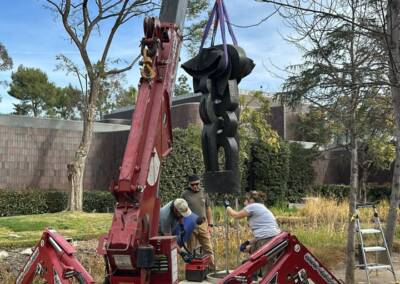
(222, 182)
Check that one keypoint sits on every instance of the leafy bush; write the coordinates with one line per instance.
(22, 202)
(268, 170)
(378, 192)
(339, 192)
(36, 201)
(185, 159)
(56, 201)
(301, 171)
(98, 201)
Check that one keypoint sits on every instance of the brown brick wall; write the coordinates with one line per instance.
(37, 157)
(185, 114)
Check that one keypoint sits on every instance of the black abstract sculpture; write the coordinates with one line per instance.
(216, 75)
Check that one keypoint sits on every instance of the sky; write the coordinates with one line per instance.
(34, 37)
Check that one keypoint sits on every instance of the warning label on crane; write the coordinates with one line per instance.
(154, 168)
(174, 265)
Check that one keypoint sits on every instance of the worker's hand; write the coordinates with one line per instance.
(187, 257)
(210, 228)
(243, 246)
(226, 203)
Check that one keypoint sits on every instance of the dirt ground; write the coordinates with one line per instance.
(15, 260)
(382, 277)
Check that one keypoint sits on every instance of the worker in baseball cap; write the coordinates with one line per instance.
(176, 218)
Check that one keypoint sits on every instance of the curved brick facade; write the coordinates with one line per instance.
(34, 153)
(185, 114)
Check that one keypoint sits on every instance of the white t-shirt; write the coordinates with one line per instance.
(262, 222)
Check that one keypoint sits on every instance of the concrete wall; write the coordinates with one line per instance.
(35, 152)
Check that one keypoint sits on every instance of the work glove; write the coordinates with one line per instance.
(187, 257)
(243, 246)
(226, 203)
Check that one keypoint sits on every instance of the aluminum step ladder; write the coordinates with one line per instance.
(380, 246)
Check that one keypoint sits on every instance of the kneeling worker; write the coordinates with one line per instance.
(177, 219)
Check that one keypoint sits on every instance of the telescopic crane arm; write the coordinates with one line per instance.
(131, 247)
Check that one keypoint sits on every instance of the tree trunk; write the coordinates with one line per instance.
(393, 31)
(350, 259)
(395, 194)
(76, 169)
(354, 165)
(363, 185)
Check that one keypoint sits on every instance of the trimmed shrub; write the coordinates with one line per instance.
(301, 171)
(185, 158)
(22, 202)
(339, 192)
(56, 201)
(378, 192)
(98, 201)
(36, 201)
(268, 170)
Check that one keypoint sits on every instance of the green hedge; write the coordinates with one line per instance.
(339, 192)
(301, 171)
(35, 201)
(185, 159)
(268, 170)
(378, 192)
(285, 175)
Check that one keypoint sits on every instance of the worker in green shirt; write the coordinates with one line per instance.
(199, 203)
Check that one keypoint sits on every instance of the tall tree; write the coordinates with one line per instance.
(384, 24)
(32, 87)
(109, 90)
(126, 98)
(5, 60)
(182, 88)
(392, 40)
(81, 19)
(66, 103)
(314, 126)
(253, 124)
(341, 63)
(195, 25)
(376, 124)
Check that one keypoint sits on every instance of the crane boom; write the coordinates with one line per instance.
(128, 248)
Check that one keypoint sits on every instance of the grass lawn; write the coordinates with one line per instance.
(322, 231)
(19, 231)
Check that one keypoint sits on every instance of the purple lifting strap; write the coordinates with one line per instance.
(220, 13)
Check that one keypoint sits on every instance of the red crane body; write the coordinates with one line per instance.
(127, 247)
(291, 263)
